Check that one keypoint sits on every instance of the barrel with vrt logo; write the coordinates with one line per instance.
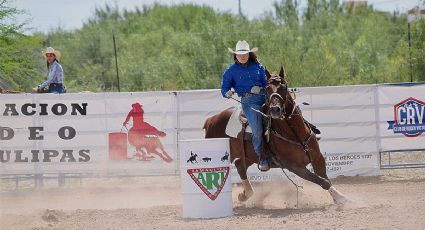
(205, 178)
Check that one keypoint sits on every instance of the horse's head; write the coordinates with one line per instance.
(276, 94)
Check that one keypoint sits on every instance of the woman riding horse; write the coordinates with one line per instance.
(291, 140)
(247, 76)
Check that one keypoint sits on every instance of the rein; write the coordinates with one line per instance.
(302, 144)
(258, 111)
(284, 116)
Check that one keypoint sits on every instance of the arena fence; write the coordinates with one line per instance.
(402, 159)
(82, 134)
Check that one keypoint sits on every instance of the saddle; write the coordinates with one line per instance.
(235, 124)
(234, 129)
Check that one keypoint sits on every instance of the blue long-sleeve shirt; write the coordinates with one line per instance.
(55, 74)
(243, 77)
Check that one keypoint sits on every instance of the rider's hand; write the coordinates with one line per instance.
(229, 94)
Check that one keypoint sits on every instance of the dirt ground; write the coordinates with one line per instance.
(394, 200)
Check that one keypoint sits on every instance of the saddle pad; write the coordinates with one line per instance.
(234, 126)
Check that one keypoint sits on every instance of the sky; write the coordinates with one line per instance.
(46, 15)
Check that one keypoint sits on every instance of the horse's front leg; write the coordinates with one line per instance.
(319, 167)
(304, 173)
(247, 191)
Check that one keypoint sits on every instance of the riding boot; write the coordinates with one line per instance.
(314, 129)
(263, 164)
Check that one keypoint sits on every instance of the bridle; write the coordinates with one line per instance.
(282, 99)
(284, 115)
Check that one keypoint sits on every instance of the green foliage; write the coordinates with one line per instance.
(185, 46)
(418, 49)
(8, 31)
(19, 57)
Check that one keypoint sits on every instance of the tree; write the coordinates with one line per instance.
(19, 56)
(287, 12)
(8, 31)
(185, 47)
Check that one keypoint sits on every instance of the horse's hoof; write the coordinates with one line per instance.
(343, 200)
(338, 197)
(168, 159)
(242, 197)
(245, 195)
(145, 158)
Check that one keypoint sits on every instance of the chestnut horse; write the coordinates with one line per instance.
(290, 139)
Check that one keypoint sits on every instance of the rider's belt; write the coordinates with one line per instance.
(55, 85)
(247, 94)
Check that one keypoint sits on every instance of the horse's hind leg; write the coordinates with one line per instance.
(247, 187)
(142, 154)
(304, 173)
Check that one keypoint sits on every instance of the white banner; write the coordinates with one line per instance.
(345, 115)
(85, 133)
(77, 133)
(402, 117)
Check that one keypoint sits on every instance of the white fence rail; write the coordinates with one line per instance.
(73, 133)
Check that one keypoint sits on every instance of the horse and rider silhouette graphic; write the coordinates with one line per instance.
(144, 137)
(225, 157)
(194, 156)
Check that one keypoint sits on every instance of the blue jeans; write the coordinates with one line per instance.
(55, 88)
(255, 119)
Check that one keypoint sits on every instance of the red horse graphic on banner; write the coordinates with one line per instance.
(143, 136)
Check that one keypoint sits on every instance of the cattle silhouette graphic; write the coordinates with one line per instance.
(206, 159)
(144, 137)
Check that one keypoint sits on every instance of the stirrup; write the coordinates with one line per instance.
(263, 165)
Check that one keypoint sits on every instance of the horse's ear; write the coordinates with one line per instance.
(267, 74)
(282, 73)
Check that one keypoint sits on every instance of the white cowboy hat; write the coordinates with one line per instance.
(50, 50)
(242, 47)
